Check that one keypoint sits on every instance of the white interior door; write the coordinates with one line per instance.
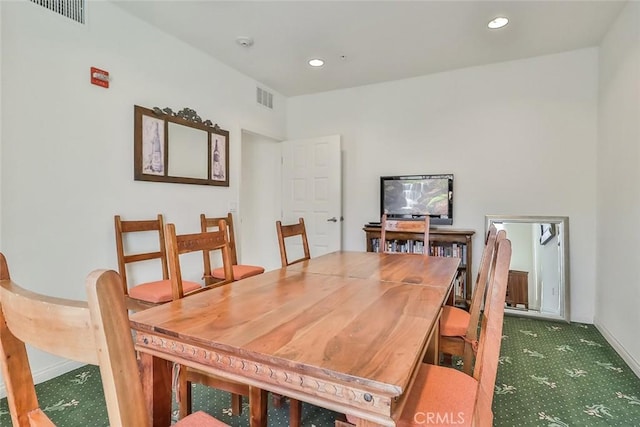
(312, 189)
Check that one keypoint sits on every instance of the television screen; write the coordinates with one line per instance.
(416, 196)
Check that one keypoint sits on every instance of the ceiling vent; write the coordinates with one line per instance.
(264, 97)
(72, 9)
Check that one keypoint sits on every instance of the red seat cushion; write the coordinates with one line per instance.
(454, 322)
(159, 291)
(239, 271)
(200, 419)
(440, 397)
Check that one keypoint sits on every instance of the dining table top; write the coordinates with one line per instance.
(345, 330)
(389, 267)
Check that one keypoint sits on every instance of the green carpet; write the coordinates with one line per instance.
(557, 375)
(550, 374)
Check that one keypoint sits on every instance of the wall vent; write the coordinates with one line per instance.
(72, 9)
(264, 97)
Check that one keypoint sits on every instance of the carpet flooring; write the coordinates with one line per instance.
(559, 374)
(551, 374)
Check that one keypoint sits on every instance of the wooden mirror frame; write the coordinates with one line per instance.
(152, 158)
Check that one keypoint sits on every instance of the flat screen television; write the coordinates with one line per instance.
(415, 196)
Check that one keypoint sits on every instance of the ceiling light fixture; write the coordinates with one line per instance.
(498, 22)
(244, 41)
(316, 62)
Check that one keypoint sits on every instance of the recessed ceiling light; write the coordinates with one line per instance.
(498, 22)
(316, 62)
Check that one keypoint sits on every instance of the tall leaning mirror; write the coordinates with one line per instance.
(538, 284)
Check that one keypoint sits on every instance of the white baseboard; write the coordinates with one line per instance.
(47, 373)
(630, 360)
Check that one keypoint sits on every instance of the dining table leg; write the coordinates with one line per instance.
(295, 412)
(432, 356)
(156, 385)
(257, 407)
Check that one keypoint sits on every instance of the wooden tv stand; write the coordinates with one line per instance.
(442, 242)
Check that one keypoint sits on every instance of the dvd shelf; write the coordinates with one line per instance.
(446, 242)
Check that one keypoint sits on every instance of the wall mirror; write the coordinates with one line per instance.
(179, 147)
(538, 284)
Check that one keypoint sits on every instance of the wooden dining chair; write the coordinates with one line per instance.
(146, 294)
(404, 226)
(180, 244)
(96, 333)
(457, 398)
(240, 271)
(177, 245)
(291, 231)
(458, 327)
(473, 394)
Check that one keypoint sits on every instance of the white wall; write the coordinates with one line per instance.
(519, 136)
(1, 31)
(67, 146)
(261, 201)
(618, 200)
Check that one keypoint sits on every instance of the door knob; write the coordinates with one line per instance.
(334, 219)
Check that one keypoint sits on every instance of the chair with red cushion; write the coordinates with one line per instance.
(446, 396)
(96, 332)
(240, 271)
(435, 385)
(146, 294)
(458, 327)
(181, 244)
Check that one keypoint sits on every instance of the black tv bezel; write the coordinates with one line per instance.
(434, 219)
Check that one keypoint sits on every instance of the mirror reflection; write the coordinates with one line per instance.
(187, 151)
(538, 282)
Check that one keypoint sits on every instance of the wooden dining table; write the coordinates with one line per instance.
(345, 331)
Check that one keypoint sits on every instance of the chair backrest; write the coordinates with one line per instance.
(500, 236)
(96, 332)
(481, 283)
(291, 230)
(486, 368)
(404, 225)
(178, 244)
(207, 223)
(137, 226)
